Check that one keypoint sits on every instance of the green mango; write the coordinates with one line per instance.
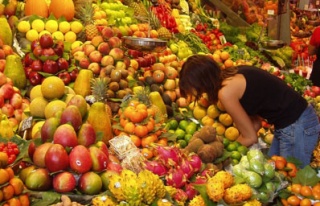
(15, 71)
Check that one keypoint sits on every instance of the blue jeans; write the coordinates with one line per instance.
(299, 139)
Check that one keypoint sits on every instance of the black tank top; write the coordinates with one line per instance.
(269, 97)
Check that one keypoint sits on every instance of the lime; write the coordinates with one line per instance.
(242, 149)
(171, 131)
(182, 143)
(187, 137)
(51, 26)
(32, 35)
(38, 25)
(236, 155)
(191, 128)
(183, 124)
(225, 142)
(64, 26)
(180, 133)
(23, 26)
(173, 124)
(234, 161)
(232, 146)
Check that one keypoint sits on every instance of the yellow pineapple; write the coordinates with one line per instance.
(86, 16)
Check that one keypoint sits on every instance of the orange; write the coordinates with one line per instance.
(14, 202)
(136, 140)
(8, 192)
(228, 63)
(123, 122)
(279, 164)
(24, 200)
(141, 130)
(293, 200)
(150, 125)
(148, 140)
(147, 153)
(136, 116)
(295, 188)
(17, 184)
(316, 191)
(4, 176)
(306, 191)
(129, 128)
(224, 55)
(305, 202)
(293, 169)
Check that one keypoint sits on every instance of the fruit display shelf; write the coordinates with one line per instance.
(144, 44)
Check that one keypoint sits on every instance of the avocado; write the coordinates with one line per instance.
(166, 99)
(169, 111)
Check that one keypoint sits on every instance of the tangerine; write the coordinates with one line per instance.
(293, 200)
(148, 140)
(305, 202)
(293, 169)
(4, 176)
(306, 191)
(296, 188)
(129, 128)
(141, 130)
(17, 184)
(147, 153)
(136, 140)
(8, 192)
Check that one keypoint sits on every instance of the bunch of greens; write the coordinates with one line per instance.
(297, 82)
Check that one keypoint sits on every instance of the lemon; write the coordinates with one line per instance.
(199, 112)
(32, 35)
(58, 35)
(38, 25)
(231, 133)
(64, 26)
(213, 111)
(76, 27)
(70, 36)
(35, 92)
(225, 119)
(44, 32)
(51, 26)
(220, 128)
(54, 107)
(206, 120)
(52, 88)
(37, 107)
(23, 26)
(76, 44)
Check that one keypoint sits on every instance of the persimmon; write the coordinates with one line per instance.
(150, 125)
(305, 202)
(284, 202)
(143, 112)
(1, 195)
(136, 140)
(4, 176)
(293, 200)
(148, 140)
(295, 188)
(128, 111)
(306, 191)
(163, 142)
(136, 117)
(24, 200)
(14, 202)
(123, 122)
(129, 127)
(147, 153)
(293, 169)
(141, 130)
(316, 191)
(8, 192)
(280, 165)
(17, 184)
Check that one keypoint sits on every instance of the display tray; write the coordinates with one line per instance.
(144, 44)
(272, 44)
(315, 22)
(302, 34)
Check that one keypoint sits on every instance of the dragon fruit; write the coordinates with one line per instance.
(187, 168)
(180, 196)
(168, 155)
(156, 167)
(195, 162)
(190, 191)
(176, 177)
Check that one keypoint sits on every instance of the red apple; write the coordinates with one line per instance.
(316, 90)
(65, 135)
(50, 66)
(115, 42)
(135, 53)
(34, 44)
(59, 49)
(80, 159)
(63, 64)
(16, 101)
(56, 158)
(104, 48)
(94, 67)
(8, 110)
(73, 74)
(37, 51)
(107, 32)
(48, 52)
(35, 78)
(95, 56)
(7, 91)
(27, 60)
(64, 182)
(116, 53)
(65, 76)
(46, 41)
(36, 65)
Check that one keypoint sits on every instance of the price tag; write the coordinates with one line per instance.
(270, 12)
(306, 7)
(222, 39)
(240, 52)
(26, 124)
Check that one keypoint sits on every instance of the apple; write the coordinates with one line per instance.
(135, 53)
(120, 65)
(56, 158)
(2, 54)
(65, 135)
(65, 76)
(64, 182)
(88, 48)
(50, 66)
(63, 64)
(86, 135)
(37, 51)
(71, 114)
(142, 62)
(1, 101)
(36, 65)
(116, 53)
(84, 63)
(80, 160)
(16, 100)
(104, 48)
(39, 154)
(107, 60)
(39, 180)
(48, 52)
(95, 68)
(7, 109)
(73, 74)
(46, 40)
(34, 44)
(59, 48)
(79, 55)
(316, 90)
(48, 128)
(7, 91)
(3, 79)
(99, 159)
(107, 32)
(27, 60)
(115, 42)
(95, 56)
(35, 78)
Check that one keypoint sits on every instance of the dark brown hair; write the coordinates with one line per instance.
(201, 74)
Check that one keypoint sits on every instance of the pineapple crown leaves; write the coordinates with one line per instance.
(99, 87)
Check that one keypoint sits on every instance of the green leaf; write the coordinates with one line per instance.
(48, 198)
(201, 188)
(306, 176)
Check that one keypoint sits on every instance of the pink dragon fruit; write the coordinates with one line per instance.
(156, 167)
(180, 196)
(190, 191)
(200, 180)
(195, 162)
(168, 155)
(187, 168)
(176, 178)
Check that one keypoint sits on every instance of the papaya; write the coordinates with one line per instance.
(82, 83)
(156, 99)
(15, 71)
(5, 32)
(99, 118)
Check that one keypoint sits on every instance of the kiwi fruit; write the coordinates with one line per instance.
(123, 84)
(115, 75)
(109, 68)
(114, 86)
(128, 90)
(124, 73)
(149, 80)
(110, 93)
(121, 93)
(166, 99)
(154, 88)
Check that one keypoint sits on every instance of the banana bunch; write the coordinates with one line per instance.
(6, 129)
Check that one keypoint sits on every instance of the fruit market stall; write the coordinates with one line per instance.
(91, 111)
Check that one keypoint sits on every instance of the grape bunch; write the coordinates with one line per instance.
(11, 149)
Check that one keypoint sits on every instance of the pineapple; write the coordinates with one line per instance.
(99, 88)
(86, 12)
(138, 7)
(163, 32)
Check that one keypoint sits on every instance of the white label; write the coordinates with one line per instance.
(306, 7)
(271, 12)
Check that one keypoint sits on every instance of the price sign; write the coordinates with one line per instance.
(270, 12)
(26, 124)
(222, 39)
